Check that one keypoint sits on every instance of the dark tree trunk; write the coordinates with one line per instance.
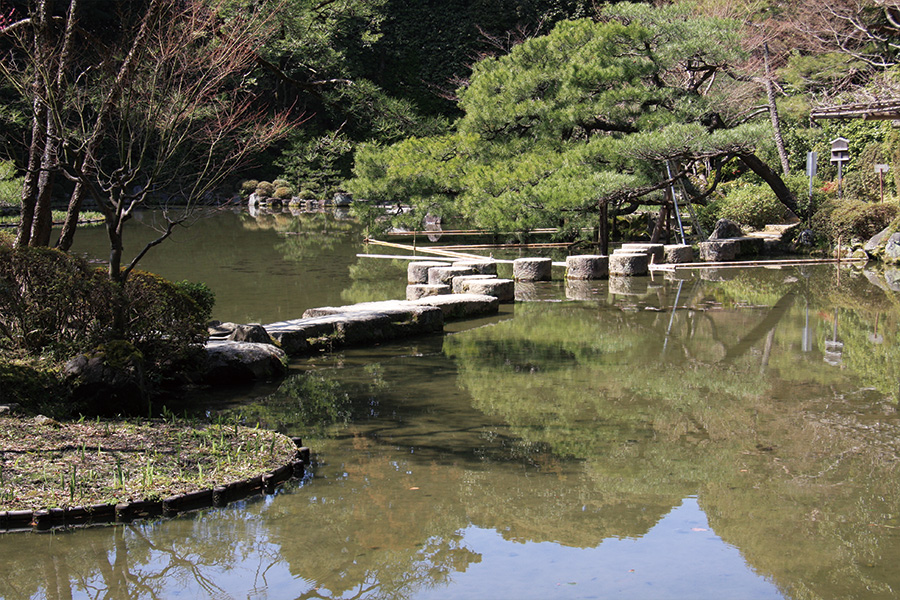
(30, 187)
(604, 228)
(660, 224)
(772, 179)
(73, 211)
(42, 226)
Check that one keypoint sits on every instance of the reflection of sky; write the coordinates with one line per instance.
(679, 558)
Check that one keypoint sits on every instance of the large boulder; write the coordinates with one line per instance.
(725, 229)
(885, 245)
(892, 249)
(236, 332)
(230, 362)
(109, 380)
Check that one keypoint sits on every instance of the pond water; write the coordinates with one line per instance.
(722, 434)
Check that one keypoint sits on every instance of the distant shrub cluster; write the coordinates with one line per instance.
(279, 189)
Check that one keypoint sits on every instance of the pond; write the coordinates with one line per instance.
(728, 433)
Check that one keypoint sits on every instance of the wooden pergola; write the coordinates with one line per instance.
(886, 110)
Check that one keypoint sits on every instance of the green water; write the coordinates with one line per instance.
(725, 434)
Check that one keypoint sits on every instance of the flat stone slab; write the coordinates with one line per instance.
(457, 285)
(331, 327)
(451, 305)
(233, 362)
(463, 306)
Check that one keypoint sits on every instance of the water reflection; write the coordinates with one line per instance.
(684, 439)
(263, 269)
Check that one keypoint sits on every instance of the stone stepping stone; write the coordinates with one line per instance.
(502, 289)
(656, 252)
(457, 288)
(417, 272)
(532, 269)
(678, 253)
(445, 275)
(482, 267)
(629, 264)
(415, 291)
(587, 266)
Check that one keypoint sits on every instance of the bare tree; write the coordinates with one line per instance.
(163, 112)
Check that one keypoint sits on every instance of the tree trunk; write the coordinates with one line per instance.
(99, 130)
(73, 211)
(42, 226)
(772, 178)
(35, 155)
(604, 228)
(39, 119)
(773, 114)
(660, 224)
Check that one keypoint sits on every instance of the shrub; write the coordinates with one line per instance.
(164, 320)
(279, 183)
(264, 189)
(799, 186)
(752, 205)
(850, 220)
(863, 182)
(248, 186)
(51, 301)
(282, 193)
(57, 303)
(201, 294)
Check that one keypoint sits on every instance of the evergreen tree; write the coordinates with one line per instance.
(583, 120)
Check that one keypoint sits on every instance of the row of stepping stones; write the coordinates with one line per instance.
(433, 278)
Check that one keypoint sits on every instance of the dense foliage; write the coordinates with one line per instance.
(588, 116)
(54, 303)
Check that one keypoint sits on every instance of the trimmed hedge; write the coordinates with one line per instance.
(753, 206)
(851, 220)
(51, 302)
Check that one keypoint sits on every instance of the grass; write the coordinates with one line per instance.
(86, 217)
(50, 464)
